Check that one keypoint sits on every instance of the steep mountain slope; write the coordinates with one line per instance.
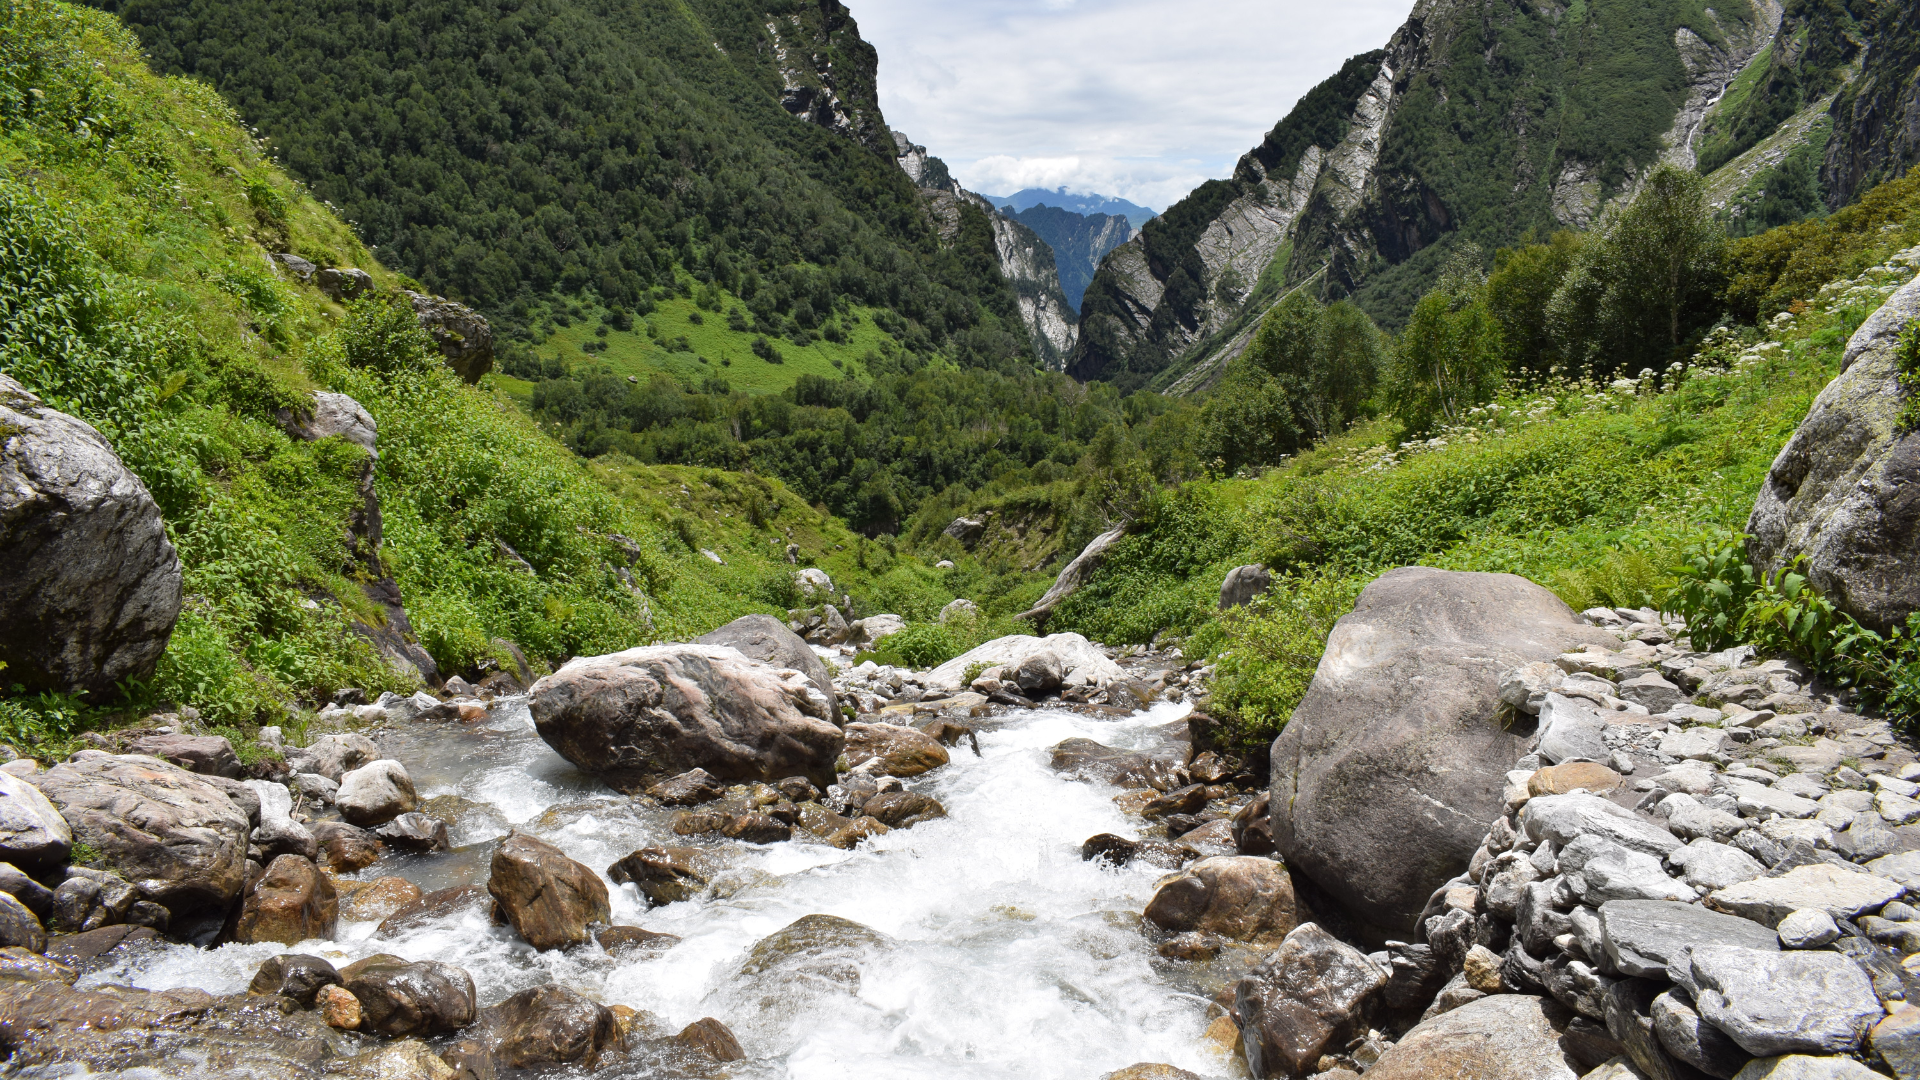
(1877, 118)
(531, 157)
(1478, 122)
(1026, 261)
(1079, 241)
(1089, 204)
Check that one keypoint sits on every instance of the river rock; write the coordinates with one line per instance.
(376, 900)
(767, 639)
(1691, 1040)
(293, 902)
(344, 848)
(901, 750)
(690, 788)
(1841, 893)
(92, 586)
(1085, 759)
(50, 1028)
(20, 927)
(1082, 662)
(1394, 761)
(664, 875)
(1303, 997)
(333, 756)
(1897, 1040)
(37, 897)
(399, 998)
(712, 1038)
(618, 940)
(1242, 897)
(1840, 491)
(549, 898)
(1573, 776)
(277, 833)
(639, 715)
(1707, 865)
(1242, 584)
(32, 832)
(547, 1025)
(1565, 818)
(209, 755)
(19, 965)
(438, 904)
(294, 975)
(102, 948)
(1598, 870)
(902, 809)
(1501, 1037)
(414, 832)
(1654, 937)
(1802, 1067)
(376, 793)
(1570, 730)
(1784, 1002)
(178, 839)
(1809, 928)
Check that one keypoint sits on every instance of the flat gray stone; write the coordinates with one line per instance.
(1901, 866)
(1599, 870)
(1697, 744)
(1840, 892)
(1569, 729)
(1565, 818)
(1773, 1002)
(1759, 800)
(1705, 864)
(1653, 937)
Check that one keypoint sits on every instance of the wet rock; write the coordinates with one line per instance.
(277, 833)
(408, 1058)
(209, 755)
(344, 848)
(293, 902)
(817, 952)
(23, 965)
(549, 898)
(1654, 937)
(1303, 997)
(690, 788)
(620, 940)
(375, 900)
(20, 927)
(376, 793)
(1253, 827)
(664, 875)
(547, 1025)
(901, 750)
(100, 948)
(1187, 800)
(1841, 893)
(438, 904)
(1896, 1040)
(1693, 1041)
(848, 836)
(1501, 1037)
(37, 897)
(767, 639)
(903, 809)
(1784, 1002)
(32, 832)
(333, 756)
(175, 837)
(89, 899)
(92, 586)
(660, 711)
(1242, 897)
(116, 1030)
(294, 975)
(755, 829)
(712, 1038)
(313, 787)
(414, 832)
(1393, 763)
(398, 998)
(1085, 759)
(798, 789)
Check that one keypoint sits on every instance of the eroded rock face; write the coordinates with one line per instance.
(175, 836)
(1845, 490)
(92, 585)
(655, 712)
(1394, 762)
(550, 899)
(767, 639)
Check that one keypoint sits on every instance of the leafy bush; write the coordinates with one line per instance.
(1714, 585)
(1909, 360)
(918, 646)
(1268, 651)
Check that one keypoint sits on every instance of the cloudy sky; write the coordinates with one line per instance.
(1142, 99)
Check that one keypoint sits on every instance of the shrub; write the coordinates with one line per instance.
(918, 646)
(1714, 586)
(1268, 651)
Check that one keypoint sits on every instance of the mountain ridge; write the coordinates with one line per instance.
(1087, 203)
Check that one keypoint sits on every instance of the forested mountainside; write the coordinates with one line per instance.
(547, 161)
(1079, 242)
(1481, 123)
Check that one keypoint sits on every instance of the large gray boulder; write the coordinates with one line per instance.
(1396, 758)
(32, 832)
(176, 836)
(1243, 583)
(91, 587)
(645, 714)
(1843, 491)
(464, 336)
(767, 639)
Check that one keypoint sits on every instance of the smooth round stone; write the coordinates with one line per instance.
(1572, 776)
(1808, 928)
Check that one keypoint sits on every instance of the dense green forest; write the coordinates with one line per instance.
(528, 157)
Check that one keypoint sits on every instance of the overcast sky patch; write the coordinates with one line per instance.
(1136, 98)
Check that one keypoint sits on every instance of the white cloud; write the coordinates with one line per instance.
(1136, 98)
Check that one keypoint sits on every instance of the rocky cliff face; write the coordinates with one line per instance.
(827, 72)
(1477, 122)
(1026, 261)
(1079, 242)
(1876, 134)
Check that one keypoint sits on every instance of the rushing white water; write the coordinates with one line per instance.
(1013, 957)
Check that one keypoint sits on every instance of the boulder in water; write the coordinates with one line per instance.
(690, 788)
(903, 809)
(767, 639)
(1304, 996)
(292, 902)
(547, 1025)
(1242, 897)
(51, 1027)
(333, 756)
(900, 750)
(278, 834)
(344, 848)
(92, 585)
(636, 716)
(664, 875)
(549, 898)
(1395, 760)
(712, 1038)
(414, 832)
(174, 836)
(376, 793)
(294, 975)
(398, 998)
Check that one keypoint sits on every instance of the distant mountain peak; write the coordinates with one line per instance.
(1077, 202)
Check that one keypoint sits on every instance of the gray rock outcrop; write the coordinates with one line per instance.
(32, 832)
(646, 714)
(1394, 761)
(767, 639)
(464, 336)
(92, 585)
(1842, 492)
(1243, 583)
(1073, 575)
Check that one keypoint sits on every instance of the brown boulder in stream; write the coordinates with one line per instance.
(293, 902)
(398, 998)
(549, 898)
(901, 750)
(547, 1025)
(1242, 897)
(644, 714)
(118, 1030)
(664, 875)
